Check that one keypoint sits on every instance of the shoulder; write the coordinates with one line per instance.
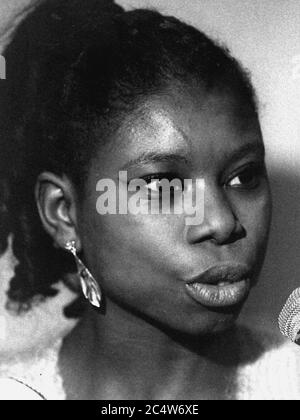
(12, 390)
(269, 368)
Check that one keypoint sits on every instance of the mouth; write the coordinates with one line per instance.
(221, 285)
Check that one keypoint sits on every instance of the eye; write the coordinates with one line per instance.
(155, 187)
(155, 184)
(249, 178)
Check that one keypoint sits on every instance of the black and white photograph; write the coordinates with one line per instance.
(149, 202)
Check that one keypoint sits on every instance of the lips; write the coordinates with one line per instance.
(221, 285)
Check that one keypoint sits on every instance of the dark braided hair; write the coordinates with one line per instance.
(74, 69)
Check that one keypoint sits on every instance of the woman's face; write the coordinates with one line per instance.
(146, 263)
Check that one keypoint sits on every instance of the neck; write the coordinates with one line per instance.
(125, 352)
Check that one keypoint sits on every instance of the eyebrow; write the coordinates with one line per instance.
(156, 157)
(246, 149)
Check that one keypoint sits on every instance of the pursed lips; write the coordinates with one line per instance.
(226, 284)
(229, 273)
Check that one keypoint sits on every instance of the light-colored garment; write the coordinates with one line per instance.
(273, 376)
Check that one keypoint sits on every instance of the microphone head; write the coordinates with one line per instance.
(289, 318)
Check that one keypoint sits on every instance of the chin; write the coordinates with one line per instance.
(225, 323)
(196, 336)
(214, 322)
(199, 329)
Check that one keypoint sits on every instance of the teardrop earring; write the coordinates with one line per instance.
(89, 286)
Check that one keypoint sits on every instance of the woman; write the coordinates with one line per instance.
(94, 92)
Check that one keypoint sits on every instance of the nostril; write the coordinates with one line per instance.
(238, 233)
(243, 232)
(222, 233)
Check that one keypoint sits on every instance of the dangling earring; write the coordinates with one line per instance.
(90, 287)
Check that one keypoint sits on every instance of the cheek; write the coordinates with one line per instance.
(124, 248)
(136, 260)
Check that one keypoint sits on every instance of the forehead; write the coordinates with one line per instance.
(199, 126)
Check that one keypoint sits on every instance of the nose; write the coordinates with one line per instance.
(220, 222)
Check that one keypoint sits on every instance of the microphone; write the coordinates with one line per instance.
(289, 318)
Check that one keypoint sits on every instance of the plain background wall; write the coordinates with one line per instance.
(265, 36)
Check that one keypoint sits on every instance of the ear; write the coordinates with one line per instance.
(56, 201)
